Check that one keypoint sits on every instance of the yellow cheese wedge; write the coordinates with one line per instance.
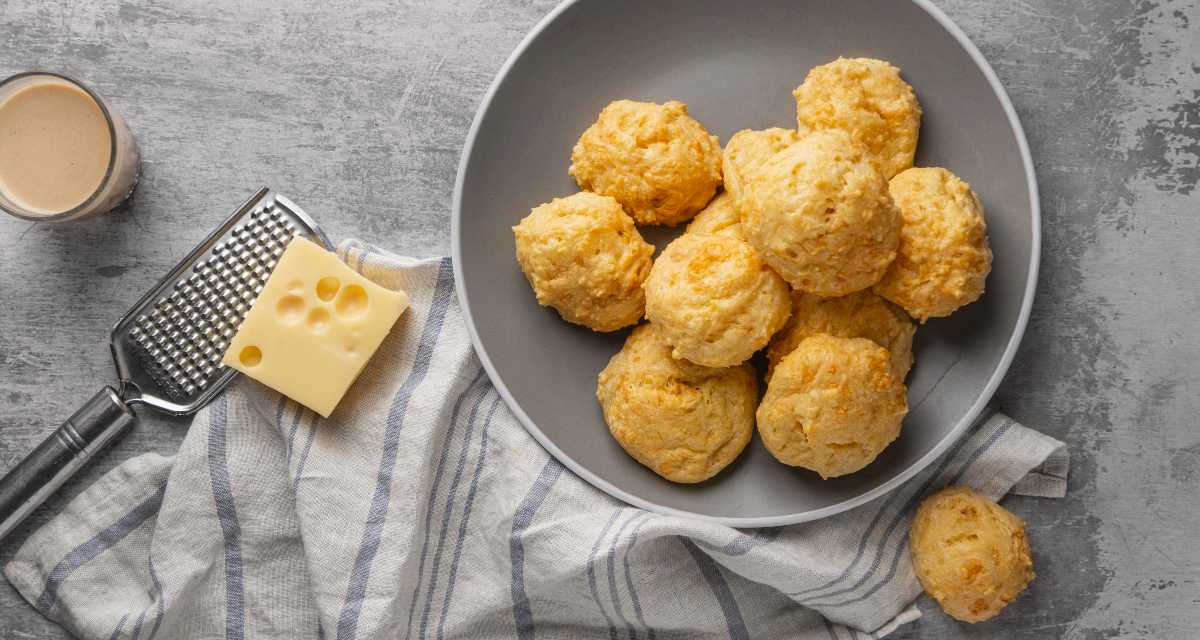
(313, 327)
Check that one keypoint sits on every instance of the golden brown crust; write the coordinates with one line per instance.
(832, 405)
(859, 315)
(719, 218)
(970, 554)
(867, 99)
(819, 213)
(714, 300)
(944, 259)
(583, 256)
(748, 150)
(656, 160)
(683, 421)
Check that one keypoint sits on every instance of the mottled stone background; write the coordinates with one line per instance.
(358, 110)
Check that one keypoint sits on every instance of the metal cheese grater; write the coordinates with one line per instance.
(168, 347)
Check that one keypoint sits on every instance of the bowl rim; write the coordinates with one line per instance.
(898, 479)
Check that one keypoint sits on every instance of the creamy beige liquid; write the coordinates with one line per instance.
(55, 147)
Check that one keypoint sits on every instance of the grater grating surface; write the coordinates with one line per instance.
(182, 339)
(168, 348)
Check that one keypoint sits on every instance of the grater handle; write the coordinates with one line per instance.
(93, 427)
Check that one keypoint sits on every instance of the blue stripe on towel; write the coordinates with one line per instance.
(712, 575)
(466, 517)
(159, 597)
(744, 543)
(433, 492)
(591, 574)
(633, 596)
(96, 545)
(137, 626)
(291, 436)
(611, 562)
(312, 435)
(279, 413)
(900, 548)
(360, 574)
(120, 625)
(950, 457)
(447, 512)
(231, 531)
(522, 612)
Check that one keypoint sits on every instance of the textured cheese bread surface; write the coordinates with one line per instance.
(314, 327)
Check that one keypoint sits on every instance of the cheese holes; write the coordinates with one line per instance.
(290, 309)
(353, 302)
(250, 356)
(327, 288)
(318, 320)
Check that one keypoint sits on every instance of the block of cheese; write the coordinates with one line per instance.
(313, 328)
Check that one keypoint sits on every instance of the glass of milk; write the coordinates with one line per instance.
(64, 154)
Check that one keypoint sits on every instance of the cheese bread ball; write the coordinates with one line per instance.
(944, 258)
(584, 257)
(970, 554)
(684, 421)
(748, 150)
(820, 214)
(859, 315)
(714, 300)
(719, 218)
(867, 99)
(655, 159)
(832, 405)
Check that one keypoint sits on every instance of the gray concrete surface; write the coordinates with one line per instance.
(358, 110)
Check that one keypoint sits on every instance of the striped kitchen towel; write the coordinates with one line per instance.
(426, 511)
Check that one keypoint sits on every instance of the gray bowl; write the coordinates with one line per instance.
(735, 65)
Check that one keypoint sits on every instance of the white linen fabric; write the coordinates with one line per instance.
(422, 509)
